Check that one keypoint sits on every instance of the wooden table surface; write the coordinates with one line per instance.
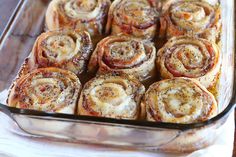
(6, 9)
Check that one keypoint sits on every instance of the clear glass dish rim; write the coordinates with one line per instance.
(110, 121)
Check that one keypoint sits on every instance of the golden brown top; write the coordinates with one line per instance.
(114, 96)
(179, 100)
(46, 89)
(66, 49)
(189, 56)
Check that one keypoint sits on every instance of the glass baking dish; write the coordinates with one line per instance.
(16, 42)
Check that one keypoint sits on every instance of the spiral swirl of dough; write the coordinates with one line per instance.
(190, 57)
(113, 96)
(197, 18)
(46, 89)
(67, 49)
(134, 17)
(86, 15)
(124, 54)
(179, 100)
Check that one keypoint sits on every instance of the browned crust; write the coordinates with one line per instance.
(146, 30)
(153, 115)
(18, 91)
(56, 18)
(85, 104)
(169, 29)
(102, 59)
(207, 75)
(77, 64)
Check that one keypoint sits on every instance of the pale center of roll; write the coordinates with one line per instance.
(61, 47)
(188, 58)
(48, 93)
(189, 12)
(45, 88)
(112, 99)
(191, 15)
(178, 102)
(135, 12)
(126, 54)
(82, 9)
(138, 11)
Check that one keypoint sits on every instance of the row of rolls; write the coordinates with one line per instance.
(124, 61)
(139, 18)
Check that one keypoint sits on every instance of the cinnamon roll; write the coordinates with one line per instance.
(67, 49)
(86, 15)
(113, 96)
(190, 57)
(190, 17)
(179, 100)
(133, 17)
(46, 89)
(124, 54)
